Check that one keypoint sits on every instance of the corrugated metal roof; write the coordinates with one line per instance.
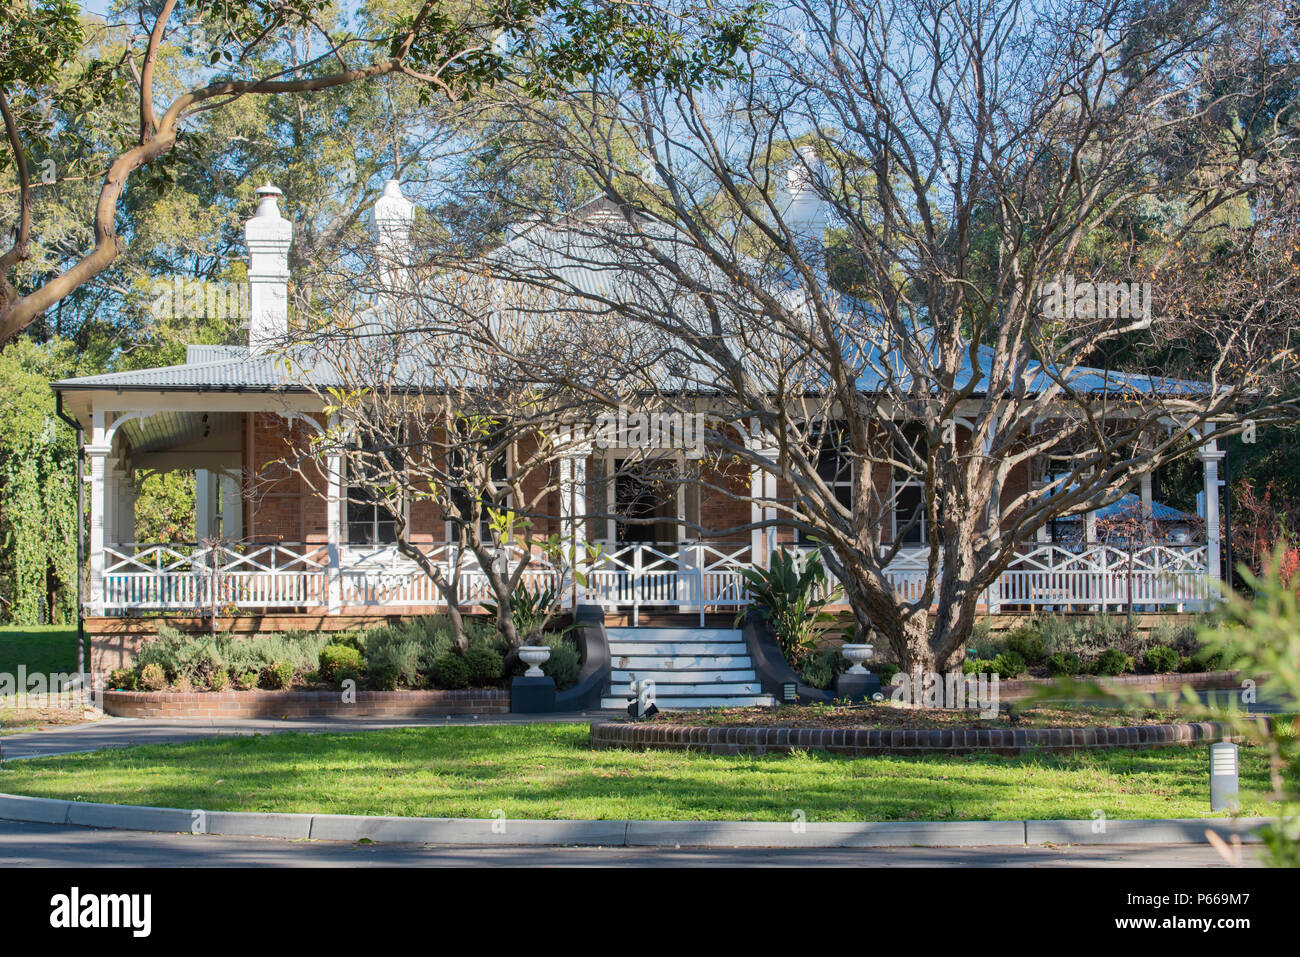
(593, 260)
(240, 370)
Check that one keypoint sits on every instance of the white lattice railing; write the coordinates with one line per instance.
(689, 577)
(1095, 576)
(176, 576)
(683, 576)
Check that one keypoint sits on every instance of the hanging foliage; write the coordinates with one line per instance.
(38, 496)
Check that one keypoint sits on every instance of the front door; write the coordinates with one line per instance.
(645, 501)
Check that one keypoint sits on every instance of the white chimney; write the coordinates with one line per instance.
(268, 235)
(393, 216)
(802, 209)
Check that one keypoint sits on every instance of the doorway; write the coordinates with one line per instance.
(645, 501)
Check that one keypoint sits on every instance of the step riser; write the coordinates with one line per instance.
(685, 703)
(674, 634)
(639, 663)
(695, 691)
(673, 648)
(732, 676)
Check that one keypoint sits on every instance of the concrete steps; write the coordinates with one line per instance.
(691, 667)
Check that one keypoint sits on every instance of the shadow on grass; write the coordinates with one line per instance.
(546, 771)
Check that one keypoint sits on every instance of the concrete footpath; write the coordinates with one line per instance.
(123, 732)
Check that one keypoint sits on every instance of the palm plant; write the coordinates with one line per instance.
(793, 591)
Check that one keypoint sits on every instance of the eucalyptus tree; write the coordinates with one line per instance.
(286, 48)
(979, 167)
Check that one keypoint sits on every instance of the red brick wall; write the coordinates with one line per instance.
(302, 704)
(283, 505)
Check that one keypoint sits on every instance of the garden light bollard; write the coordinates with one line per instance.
(1223, 776)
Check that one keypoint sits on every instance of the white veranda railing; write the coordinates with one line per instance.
(684, 576)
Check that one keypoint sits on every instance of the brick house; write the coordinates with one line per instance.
(290, 543)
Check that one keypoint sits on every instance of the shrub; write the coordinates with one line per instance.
(977, 666)
(1159, 659)
(1181, 638)
(152, 677)
(393, 659)
(339, 663)
(123, 679)
(1025, 641)
(1009, 665)
(196, 658)
(793, 592)
(178, 654)
(348, 639)
(1112, 661)
(886, 672)
(277, 675)
(452, 671)
(820, 669)
(247, 680)
(565, 661)
(218, 680)
(485, 666)
(1064, 663)
(1204, 660)
(530, 609)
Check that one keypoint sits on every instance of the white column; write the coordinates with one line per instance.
(335, 496)
(1210, 456)
(573, 502)
(1148, 499)
(232, 506)
(96, 471)
(205, 506)
(762, 488)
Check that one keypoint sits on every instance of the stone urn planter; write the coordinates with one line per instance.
(534, 656)
(857, 654)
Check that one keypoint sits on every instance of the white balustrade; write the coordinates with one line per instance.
(683, 576)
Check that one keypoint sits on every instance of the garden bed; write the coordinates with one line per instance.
(303, 704)
(887, 716)
(1131, 684)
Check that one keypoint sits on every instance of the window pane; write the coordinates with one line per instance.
(907, 507)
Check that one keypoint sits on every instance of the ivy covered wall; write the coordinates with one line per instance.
(38, 496)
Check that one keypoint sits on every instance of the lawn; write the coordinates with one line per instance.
(547, 771)
(43, 649)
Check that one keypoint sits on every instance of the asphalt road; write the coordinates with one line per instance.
(54, 845)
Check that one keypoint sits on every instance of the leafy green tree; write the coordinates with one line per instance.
(287, 48)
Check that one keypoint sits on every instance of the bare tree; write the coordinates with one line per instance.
(941, 244)
(421, 421)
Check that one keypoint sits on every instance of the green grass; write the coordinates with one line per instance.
(43, 649)
(547, 771)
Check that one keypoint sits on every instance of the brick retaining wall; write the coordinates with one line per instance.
(863, 742)
(303, 704)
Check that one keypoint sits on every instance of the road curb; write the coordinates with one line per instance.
(506, 832)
